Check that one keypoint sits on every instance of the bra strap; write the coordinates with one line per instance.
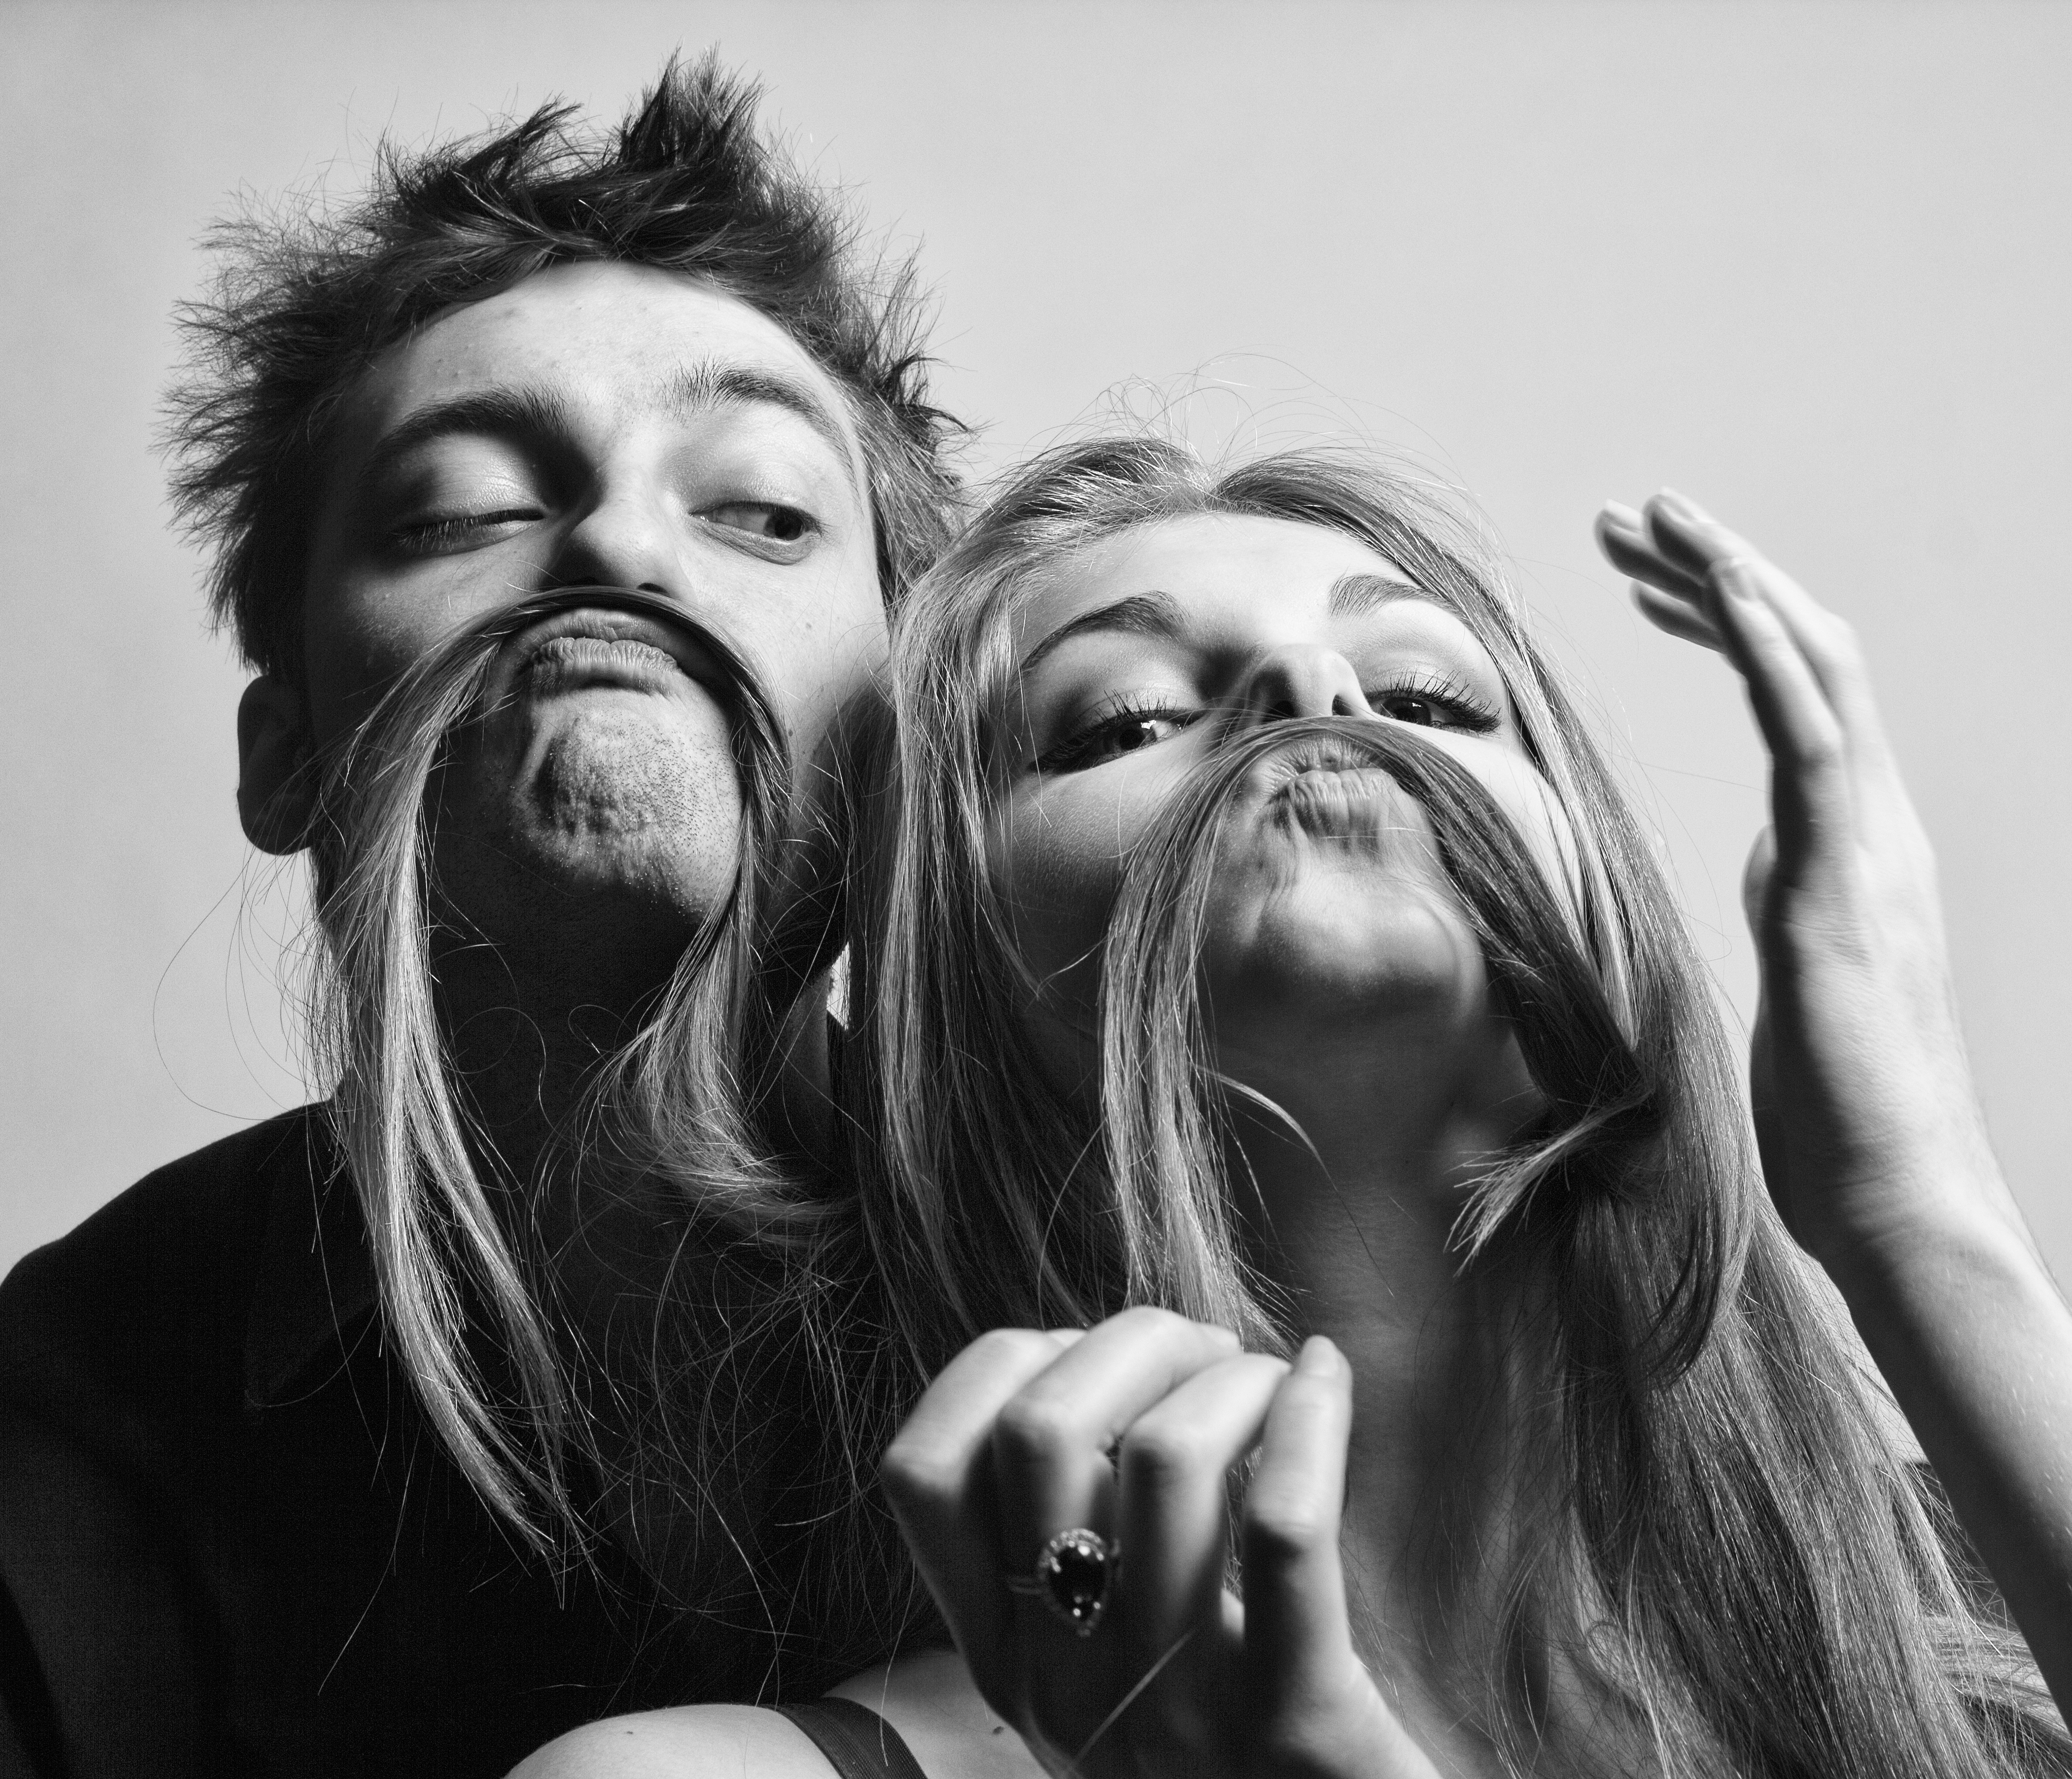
(858, 1742)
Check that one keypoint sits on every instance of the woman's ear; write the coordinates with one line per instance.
(276, 788)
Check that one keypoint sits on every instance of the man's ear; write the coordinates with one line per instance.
(276, 789)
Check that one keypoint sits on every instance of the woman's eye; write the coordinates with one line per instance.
(1436, 706)
(779, 524)
(462, 530)
(1413, 707)
(1127, 732)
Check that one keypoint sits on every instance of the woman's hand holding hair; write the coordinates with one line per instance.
(1011, 1446)
(1873, 1144)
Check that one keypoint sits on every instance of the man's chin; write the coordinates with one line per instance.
(613, 808)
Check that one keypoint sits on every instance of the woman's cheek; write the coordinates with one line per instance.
(1530, 802)
(1058, 868)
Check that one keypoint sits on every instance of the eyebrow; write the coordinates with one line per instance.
(1158, 613)
(1354, 595)
(505, 414)
(1140, 614)
(534, 413)
(711, 383)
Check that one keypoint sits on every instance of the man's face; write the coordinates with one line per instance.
(598, 423)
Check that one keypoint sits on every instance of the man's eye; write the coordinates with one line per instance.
(780, 524)
(1126, 732)
(462, 531)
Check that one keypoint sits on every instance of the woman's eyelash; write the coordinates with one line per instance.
(1447, 703)
(1080, 748)
(1464, 707)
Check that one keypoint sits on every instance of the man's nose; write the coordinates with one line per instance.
(1302, 680)
(625, 540)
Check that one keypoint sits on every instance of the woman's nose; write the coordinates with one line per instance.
(1303, 680)
(625, 540)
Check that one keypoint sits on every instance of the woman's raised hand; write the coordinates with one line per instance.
(1130, 1433)
(1872, 1138)
(1870, 1129)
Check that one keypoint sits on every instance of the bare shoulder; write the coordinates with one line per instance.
(689, 1740)
(954, 1734)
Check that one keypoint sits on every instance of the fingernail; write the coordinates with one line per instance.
(1682, 505)
(1318, 1358)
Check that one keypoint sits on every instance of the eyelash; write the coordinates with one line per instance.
(763, 543)
(1467, 708)
(429, 537)
(1077, 749)
(433, 536)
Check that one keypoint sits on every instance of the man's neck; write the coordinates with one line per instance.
(531, 1016)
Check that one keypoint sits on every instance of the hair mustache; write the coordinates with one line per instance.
(447, 687)
(1486, 857)
(1538, 952)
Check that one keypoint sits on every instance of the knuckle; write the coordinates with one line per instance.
(915, 1470)
(1294, 1747)
(1841, 639)
(1279, 1529)
(1033, 1427)
(1011, 1345)
(1161, 1454)
(1820, 749)
(1152, 1319)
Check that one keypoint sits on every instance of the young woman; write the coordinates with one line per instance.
(1258, 936)
(1346, 1003)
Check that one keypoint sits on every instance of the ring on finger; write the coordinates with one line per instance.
(1075, 1575)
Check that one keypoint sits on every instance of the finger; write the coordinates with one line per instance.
(1678, 616)
(1296, 1635)
(1051, 1440)
(1622, 535)
(1687, 532)
(1173, 1510)
(1811, 809)
(937, 1476)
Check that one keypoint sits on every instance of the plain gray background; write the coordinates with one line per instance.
(1809, 262)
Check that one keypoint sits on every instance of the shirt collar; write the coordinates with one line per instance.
(314, 1297)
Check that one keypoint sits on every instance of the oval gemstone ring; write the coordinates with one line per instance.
(1076, 1573)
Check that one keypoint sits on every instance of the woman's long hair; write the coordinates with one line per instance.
(1719, 1533)
(728, 1430)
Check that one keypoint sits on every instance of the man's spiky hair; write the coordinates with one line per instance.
(687, 183)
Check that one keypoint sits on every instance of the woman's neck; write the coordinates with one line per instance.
(1355, 1228)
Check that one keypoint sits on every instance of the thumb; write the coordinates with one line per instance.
(1296, 1634)
(1314, 1708)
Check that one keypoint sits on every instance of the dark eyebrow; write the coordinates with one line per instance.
(1142, 614)
(1353, 595)
(508, 414)
(712, 384)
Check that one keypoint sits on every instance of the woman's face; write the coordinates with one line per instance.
(1329, 915)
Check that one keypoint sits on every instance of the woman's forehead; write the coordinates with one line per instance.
(1219, 566)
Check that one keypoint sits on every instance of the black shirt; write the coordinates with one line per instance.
(229, 1542)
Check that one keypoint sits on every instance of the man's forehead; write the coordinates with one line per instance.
(608, 339)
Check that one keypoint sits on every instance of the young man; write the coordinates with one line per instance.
(318, 1453)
